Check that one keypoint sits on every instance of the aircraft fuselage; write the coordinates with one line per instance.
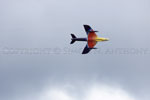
(97, 39)
(79, 39)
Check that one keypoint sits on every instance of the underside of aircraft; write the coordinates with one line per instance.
(91, 39)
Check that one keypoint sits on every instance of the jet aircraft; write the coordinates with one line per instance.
(91, 39)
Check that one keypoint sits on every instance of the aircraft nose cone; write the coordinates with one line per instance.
(107, 39)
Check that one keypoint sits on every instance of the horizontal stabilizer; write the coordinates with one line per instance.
(72, 41)
(73, 37)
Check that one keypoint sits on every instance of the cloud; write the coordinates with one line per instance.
(107, 93)
(56, 94)
(94, 92)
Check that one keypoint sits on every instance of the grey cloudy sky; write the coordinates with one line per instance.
(118, 70)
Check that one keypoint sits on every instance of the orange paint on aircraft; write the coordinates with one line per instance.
(91, 43)
(92, 36)
(92, 39)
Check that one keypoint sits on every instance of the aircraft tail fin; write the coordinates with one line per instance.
(73, 38)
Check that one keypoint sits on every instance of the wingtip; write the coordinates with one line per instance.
(83, 53)
(86, 25)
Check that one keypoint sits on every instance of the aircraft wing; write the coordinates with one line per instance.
(88, 29)
(90, 45)
(86, 50)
